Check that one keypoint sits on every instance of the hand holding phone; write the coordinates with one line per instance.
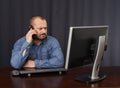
(34, 36)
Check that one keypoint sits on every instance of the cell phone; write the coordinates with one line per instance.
(34, 36)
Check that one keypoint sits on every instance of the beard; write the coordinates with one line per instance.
(42, 36)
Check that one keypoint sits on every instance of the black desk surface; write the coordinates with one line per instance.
(65, 80)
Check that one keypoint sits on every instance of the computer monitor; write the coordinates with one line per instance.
(86, 45)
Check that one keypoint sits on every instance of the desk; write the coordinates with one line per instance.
(65, 80)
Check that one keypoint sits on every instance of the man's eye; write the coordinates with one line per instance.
(45, 28)
(39, 28)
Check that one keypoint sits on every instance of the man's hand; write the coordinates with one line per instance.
(29, 63)
(29, 35)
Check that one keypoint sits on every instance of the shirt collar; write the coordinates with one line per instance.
(41, 42)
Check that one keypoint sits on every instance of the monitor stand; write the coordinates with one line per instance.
(95, 76)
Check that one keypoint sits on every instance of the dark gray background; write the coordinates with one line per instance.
(60, 14)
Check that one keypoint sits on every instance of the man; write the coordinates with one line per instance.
(37, 49)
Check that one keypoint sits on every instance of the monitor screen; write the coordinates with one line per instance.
(83, 44)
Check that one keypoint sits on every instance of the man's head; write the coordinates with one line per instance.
(40, 26)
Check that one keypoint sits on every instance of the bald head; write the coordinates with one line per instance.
(38, 18)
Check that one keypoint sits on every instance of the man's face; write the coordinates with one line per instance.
(40, 26)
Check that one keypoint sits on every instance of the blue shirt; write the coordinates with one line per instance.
(46, 55)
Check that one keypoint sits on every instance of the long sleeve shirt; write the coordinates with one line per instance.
(46, 55)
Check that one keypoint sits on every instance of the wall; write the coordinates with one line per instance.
(61, 14)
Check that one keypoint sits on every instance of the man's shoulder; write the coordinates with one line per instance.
(51, 37)
(52, 40)
(22, 39)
